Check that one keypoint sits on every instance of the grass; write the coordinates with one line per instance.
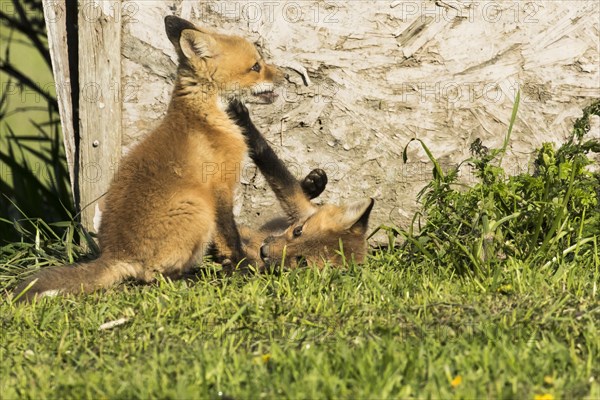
(493, 295)
(381, 330)
(476, 302)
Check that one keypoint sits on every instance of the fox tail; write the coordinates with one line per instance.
(73, 278)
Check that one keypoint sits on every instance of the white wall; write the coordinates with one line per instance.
(380, 73)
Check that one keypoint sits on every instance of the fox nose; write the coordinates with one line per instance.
(277, 75)
(264, 251)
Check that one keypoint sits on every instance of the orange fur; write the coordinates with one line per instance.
(330, 234)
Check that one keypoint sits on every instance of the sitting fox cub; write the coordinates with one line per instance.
(173, 195)
(309, 234)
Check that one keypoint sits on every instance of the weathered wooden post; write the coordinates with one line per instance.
(87, 71)
(99, 43)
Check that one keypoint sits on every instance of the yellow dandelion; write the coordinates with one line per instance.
(456, 381)
(545, 396)
(260, 360)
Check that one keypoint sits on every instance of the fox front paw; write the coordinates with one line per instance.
(314, 183)
(239, 113)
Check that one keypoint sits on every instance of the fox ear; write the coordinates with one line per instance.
(197, 44)
(174, 26)
(356, 215)
(187, 39)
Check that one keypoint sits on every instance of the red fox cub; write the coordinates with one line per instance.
(309, 234)
(173, 195)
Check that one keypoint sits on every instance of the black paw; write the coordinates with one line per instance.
(314, 183)
(239, 113)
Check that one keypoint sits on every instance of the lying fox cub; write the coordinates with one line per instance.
(309, 234)
(173, 196)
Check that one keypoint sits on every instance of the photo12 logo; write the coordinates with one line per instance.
(268, 11)
(109, 11)
(472, 11)
(471, 92)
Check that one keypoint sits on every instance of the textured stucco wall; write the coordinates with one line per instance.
(367, 76)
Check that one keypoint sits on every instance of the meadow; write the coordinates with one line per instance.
(390, 328)
(491, 292)
(495, 295)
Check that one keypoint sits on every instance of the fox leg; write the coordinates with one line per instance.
(293, 196)
(227, 237)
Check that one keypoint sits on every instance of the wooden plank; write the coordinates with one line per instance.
(99, 103)
(56, 25)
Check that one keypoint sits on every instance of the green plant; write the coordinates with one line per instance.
(542, 217)
(402, 325)
(387, 329)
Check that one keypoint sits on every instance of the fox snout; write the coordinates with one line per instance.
(264, 252)
(273, 74)
(274, 252)
(265, 249)
(264, 91)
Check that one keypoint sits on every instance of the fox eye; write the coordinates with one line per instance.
(255, 67)
(297, 231)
